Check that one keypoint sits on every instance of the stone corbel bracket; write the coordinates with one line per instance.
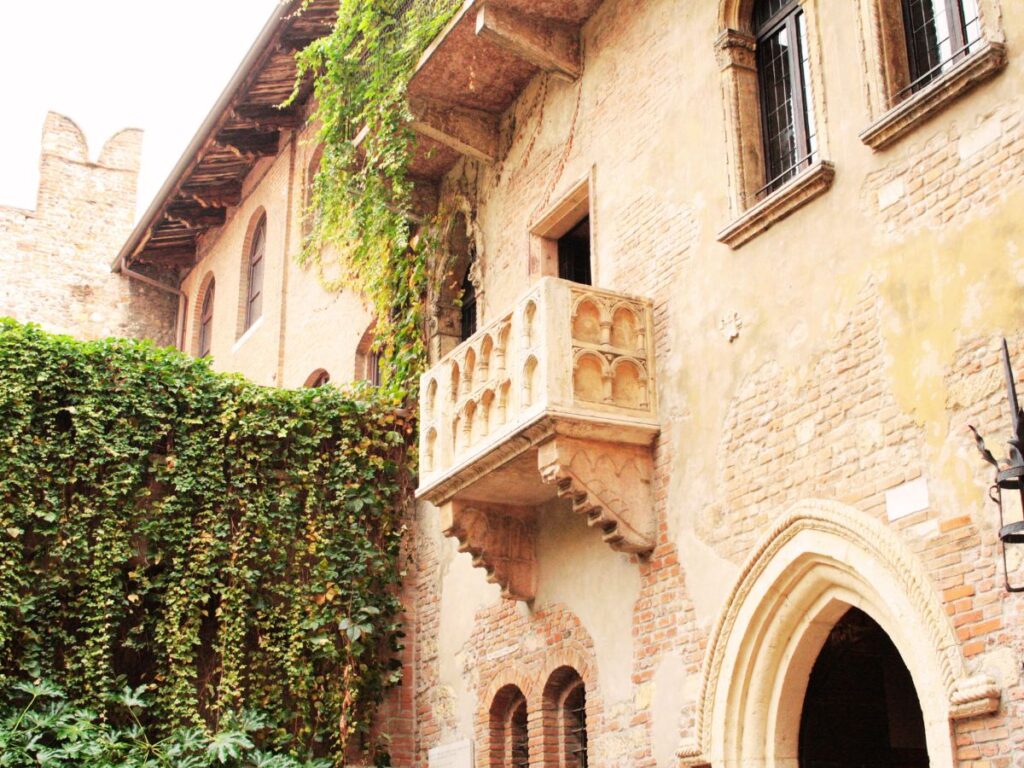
(974, 696)
(501, 540)
(609, 483)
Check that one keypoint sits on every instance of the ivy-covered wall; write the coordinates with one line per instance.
(228, 546)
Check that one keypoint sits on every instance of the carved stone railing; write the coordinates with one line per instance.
(556, 398)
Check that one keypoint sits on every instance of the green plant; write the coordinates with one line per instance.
(45, 729)
(362, 192)
(229, 546)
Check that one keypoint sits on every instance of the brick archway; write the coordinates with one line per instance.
(821, 559)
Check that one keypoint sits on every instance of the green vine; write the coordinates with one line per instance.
(232, 548)
(362, 195)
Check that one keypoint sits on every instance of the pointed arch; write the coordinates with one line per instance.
(821, 559)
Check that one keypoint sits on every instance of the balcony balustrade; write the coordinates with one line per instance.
(555, 398)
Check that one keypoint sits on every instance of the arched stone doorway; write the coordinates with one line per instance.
(861, 707)
(820, 561)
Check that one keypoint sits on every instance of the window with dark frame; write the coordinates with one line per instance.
(206, 322)
(787, 116)
(373, 367)
(574, 253)
(939, 33)
(254, 300)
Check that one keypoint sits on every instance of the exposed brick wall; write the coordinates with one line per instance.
(55, 261)
(958, 170)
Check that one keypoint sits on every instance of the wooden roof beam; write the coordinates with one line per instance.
(195, 216)
(470, 132)
(249, 143)
(551, 45)
(268, 116)
(221, 195)
(167, 257)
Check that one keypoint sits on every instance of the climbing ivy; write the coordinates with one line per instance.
(228, 547)
(362, 191)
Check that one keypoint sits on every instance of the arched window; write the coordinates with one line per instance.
(787, 115)
(309, 216)
(318, 378)
(206, 321)
(254, 282)
(565, 719)
(938, 34)
(510, 744)
(367, 358)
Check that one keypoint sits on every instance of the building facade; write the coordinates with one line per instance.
(696, 484)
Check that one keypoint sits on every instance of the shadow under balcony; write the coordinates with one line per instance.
(554, 399)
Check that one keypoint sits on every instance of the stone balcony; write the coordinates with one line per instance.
(554, 399)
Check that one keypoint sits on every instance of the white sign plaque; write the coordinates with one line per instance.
(458, 754)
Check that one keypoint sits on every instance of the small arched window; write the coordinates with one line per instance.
(938, 33)
(318, 378)
(510, 742)
(368, 358)
(254, 283)
(206, 321)
(565, 719)
(787, 117)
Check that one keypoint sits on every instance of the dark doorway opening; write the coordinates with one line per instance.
(861, 708)
(574, 253)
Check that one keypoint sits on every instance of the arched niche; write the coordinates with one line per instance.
(456, 264)
(820, 560)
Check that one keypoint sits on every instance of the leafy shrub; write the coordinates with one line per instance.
(50, 731)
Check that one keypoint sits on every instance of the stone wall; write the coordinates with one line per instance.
(55, 261)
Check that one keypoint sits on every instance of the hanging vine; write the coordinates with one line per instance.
(362, 193)
(226, 546)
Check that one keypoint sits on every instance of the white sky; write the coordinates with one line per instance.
(158, 65)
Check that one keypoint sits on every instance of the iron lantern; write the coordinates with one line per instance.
(1009, 473)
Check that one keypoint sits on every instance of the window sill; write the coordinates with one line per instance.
(247, 335)
(908, 114)
(779, 204)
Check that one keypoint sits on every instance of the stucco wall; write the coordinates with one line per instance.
(839, 355)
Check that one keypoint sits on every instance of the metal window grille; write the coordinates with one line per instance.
(206, 322)
(783, 70)
(254, 302)
(520, 740)
(575, 709)
(939, 33)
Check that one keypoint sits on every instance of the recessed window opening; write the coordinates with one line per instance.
(574, 253)
(318, 379)
(257, 252)
(519, 737)
(373, 368)
(783, 70)
(861, 708)
(206, 322)
(574, 718)
(468, 309)
(939, 33)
